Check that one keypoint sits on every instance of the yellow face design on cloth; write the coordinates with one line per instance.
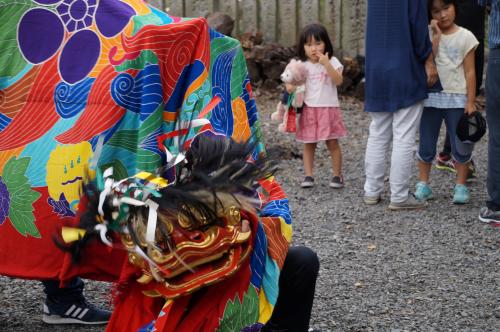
(66, 170)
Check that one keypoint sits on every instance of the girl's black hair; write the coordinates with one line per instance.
(446, 2)
(319, 33)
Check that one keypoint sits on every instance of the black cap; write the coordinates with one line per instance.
(471, 127)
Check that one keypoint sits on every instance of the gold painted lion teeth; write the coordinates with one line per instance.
(145, 279)
(243, 237)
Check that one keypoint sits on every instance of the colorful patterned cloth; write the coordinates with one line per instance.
(76, 72)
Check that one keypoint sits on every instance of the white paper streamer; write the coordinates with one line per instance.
(103, 229)
(152, 219)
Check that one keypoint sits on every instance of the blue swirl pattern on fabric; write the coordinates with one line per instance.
(249, 103)
(278, 208)
(141, 94)
(222, 115)
(258, 259)
(214, 34)
(71, 99)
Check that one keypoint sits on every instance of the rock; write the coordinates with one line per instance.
(352, 68)
(221, 22)
(272, 70)
(254, 71)
(270, 84)
(353, 73)
(346, 85)
(248, 40)
(265, 61)
(360, 90)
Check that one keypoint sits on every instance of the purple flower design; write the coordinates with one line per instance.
(61, 207)
(41, 33)
(77, 14)
(4, 201)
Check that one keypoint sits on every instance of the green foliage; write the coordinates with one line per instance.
(21, 196)
(11, 60)
(238, 315)
(125, 139)
(153, 122)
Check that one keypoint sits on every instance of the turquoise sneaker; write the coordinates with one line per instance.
(423, 192)
(461, 194)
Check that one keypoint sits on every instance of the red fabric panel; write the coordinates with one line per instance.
(135, 312)
(39, 258)
(205, 313)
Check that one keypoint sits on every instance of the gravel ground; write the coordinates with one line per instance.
(432, 270)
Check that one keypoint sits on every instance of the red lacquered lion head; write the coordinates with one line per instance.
(188, 229)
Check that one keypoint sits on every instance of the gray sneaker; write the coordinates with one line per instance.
(371, 200)
(410, 204)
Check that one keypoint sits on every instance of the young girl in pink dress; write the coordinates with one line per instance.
(321, 118)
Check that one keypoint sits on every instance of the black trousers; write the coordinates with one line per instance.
(296, 294)
(71, 293)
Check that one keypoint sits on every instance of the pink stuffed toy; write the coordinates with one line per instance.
(286, 112)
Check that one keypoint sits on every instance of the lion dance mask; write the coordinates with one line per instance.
(187, 227)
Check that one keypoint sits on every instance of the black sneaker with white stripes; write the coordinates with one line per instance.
(80, 312)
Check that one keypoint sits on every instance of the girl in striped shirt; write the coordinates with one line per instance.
(453, 50)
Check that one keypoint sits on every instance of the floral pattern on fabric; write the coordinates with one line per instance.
(42, 32)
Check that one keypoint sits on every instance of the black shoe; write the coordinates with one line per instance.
(308, 182)
(78, 312)
(337, 182)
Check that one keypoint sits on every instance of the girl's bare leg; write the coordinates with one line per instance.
(462, 170)
(308, 158)
(424, 170)
(336, 155)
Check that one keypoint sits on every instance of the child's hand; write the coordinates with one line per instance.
(436, 31)
(290, 87)
(323, 58)
(470, 108)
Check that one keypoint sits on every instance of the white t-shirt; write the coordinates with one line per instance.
(450, 59)
(321, 91)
